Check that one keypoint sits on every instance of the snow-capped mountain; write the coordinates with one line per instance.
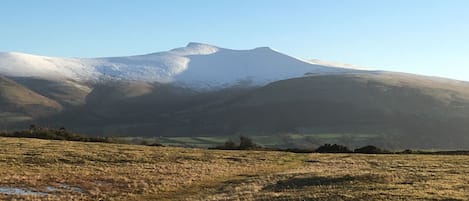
(196, 65)
(125, 96)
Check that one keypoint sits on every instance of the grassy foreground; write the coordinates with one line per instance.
(32, 169)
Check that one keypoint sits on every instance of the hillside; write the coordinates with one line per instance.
(18, 103)
(66, 92)
(34, 169)
(409, 110)
(401, 110)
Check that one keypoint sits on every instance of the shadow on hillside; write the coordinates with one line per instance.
(298, 183)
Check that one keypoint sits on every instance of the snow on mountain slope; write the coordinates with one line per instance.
(254, 67)
(26, 65)
(196, 65)
(159, 67)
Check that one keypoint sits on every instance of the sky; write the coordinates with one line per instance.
(429, 37)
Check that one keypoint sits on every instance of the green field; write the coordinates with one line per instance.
(32, 169)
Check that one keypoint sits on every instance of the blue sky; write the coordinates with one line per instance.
(419, 36)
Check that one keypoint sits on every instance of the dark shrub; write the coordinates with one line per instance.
(333, 148)
(297, 150)
(229, 144)
(144, 142)
(156, 144)
(246, 143)
(35, 131)
(370, 149)
(407, 151)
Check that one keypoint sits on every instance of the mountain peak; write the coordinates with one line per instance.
(194, 48)
(263, 48)
(196, 44)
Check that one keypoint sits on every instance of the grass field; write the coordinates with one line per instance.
(32, 169)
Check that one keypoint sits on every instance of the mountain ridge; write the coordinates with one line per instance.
(197, 64)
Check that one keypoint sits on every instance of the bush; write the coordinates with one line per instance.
(149, 143)
(52, 134)
(245, 143)
(370, 149)
(229, 144)
(334, 148)
(297, 150)
(407, 151)
(156, 144)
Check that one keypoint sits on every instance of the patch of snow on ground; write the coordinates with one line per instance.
(19, 191)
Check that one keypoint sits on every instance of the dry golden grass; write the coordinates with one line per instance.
(94, 171)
